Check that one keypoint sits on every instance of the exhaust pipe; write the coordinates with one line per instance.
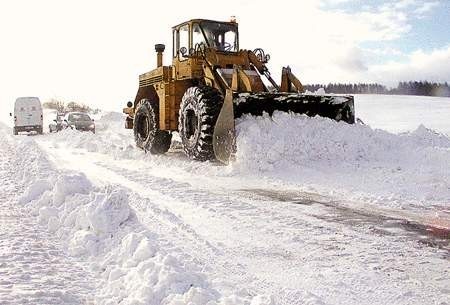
(159, 48)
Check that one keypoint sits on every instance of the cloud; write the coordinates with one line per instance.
(351, 65)
(425, 8)
(334, 2)
(420, 65)
(383, 52)
(352, 61)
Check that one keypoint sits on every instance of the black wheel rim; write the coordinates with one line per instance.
(191, 124)
(142, 127)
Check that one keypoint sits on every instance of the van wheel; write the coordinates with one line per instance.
(15, 131)
(147, 134)
(40, 130)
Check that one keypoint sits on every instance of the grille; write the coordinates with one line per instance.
(150, 81)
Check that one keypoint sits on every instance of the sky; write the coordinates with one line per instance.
(93, 51)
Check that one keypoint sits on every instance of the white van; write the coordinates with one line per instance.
(28, 115)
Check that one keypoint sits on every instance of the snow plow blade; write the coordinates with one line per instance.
(224, 133)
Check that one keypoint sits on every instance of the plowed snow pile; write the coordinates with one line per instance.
(132, 266)
(329, 155)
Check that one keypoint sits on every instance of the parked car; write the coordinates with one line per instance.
(79, 121)
(28, 115)
(57, 124)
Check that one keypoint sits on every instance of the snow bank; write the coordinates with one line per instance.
(112, 116)
(70, 184)
(35, 191)
(338, 156)
(109, 142)
(33, 164)
(135, 265)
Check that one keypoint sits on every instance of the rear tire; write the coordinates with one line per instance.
(147, 134)
(199, 110)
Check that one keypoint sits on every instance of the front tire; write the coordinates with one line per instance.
(147, 134)
(199, 110)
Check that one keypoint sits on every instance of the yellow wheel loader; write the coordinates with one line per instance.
(210, 83)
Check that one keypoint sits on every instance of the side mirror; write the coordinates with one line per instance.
(55, 121)
(10, 114)
(92, 120)
(65, 120)
(129, 104)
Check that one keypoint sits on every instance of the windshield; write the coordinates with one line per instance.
(222, 36)
(79, 117)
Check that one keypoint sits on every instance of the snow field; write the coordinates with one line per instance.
(401, 113)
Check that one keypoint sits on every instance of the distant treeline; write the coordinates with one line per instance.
(407, 88)
(63, 107)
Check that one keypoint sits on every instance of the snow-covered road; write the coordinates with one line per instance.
(350, 215)
(298, 253)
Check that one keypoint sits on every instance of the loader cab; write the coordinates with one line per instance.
(191, 37)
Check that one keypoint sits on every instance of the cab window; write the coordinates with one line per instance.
(175, 43)
(221, 36)
(184, 40)
(197, 36)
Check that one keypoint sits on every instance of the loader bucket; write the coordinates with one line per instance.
(335, 107)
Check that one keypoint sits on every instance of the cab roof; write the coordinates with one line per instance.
(200, 20)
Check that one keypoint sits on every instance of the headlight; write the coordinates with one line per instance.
(92, 126)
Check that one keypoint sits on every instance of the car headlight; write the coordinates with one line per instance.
(92, 126)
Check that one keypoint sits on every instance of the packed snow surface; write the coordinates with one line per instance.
(311, 211)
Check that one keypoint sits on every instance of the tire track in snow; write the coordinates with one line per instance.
(424, 232)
